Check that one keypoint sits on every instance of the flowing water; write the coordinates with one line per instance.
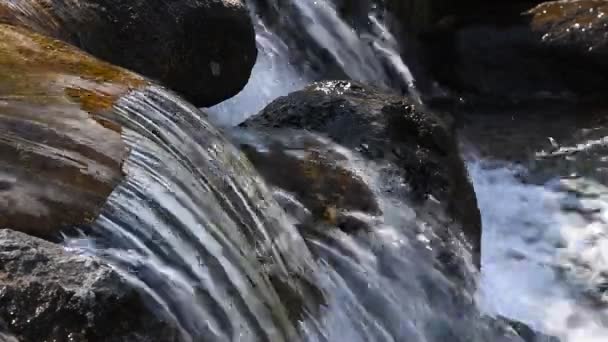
(196, 228)
(199, 232)
(544, 259)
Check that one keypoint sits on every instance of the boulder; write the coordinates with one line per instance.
(580, 26)
(203, 49)
(48, 294)
(61, 149)
(385, 127)
(561, 46)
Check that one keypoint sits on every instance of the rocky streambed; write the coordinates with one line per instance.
(342, 211)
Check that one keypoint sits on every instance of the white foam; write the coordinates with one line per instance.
(539, 260)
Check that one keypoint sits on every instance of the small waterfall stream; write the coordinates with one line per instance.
(198, 231)
(196, 228)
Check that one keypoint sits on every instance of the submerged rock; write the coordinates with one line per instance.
(326, 190)
(204, 49)
(61, 152)
(47, 294)
(384, 128)
(319, 181)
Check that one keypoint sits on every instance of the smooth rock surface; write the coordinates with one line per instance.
(327, 190)
(203, 49)
(61, 152)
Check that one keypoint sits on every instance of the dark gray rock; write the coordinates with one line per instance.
(203, 49)
(47, 294)
(386, 128)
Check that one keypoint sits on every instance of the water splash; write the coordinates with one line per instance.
(544, 252)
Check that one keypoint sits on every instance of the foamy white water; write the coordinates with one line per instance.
(544, 253)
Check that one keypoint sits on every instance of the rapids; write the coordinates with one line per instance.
(204, 238)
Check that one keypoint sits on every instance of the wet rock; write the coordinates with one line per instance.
(480, 55)
(204, 49)
(580, 26)
(549, 139)
(384, 128)
(526, 333)
(318, 180)
(61, 151)
(7, 338)
(313, 182)
(47, 294)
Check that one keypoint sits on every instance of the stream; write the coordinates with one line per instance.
(195, 221)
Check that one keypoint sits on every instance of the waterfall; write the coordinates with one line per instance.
(273, 75)
(195, 227)
(384, 284)
(369, 54)
(198, 231)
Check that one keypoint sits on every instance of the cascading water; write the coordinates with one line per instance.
(195, 228)
(370, 55)
(383, 284)
(198, 231)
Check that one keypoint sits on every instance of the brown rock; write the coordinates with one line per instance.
(573, 24)
(385, 128)
(315, 176)
(204, 49)
(61, 153)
